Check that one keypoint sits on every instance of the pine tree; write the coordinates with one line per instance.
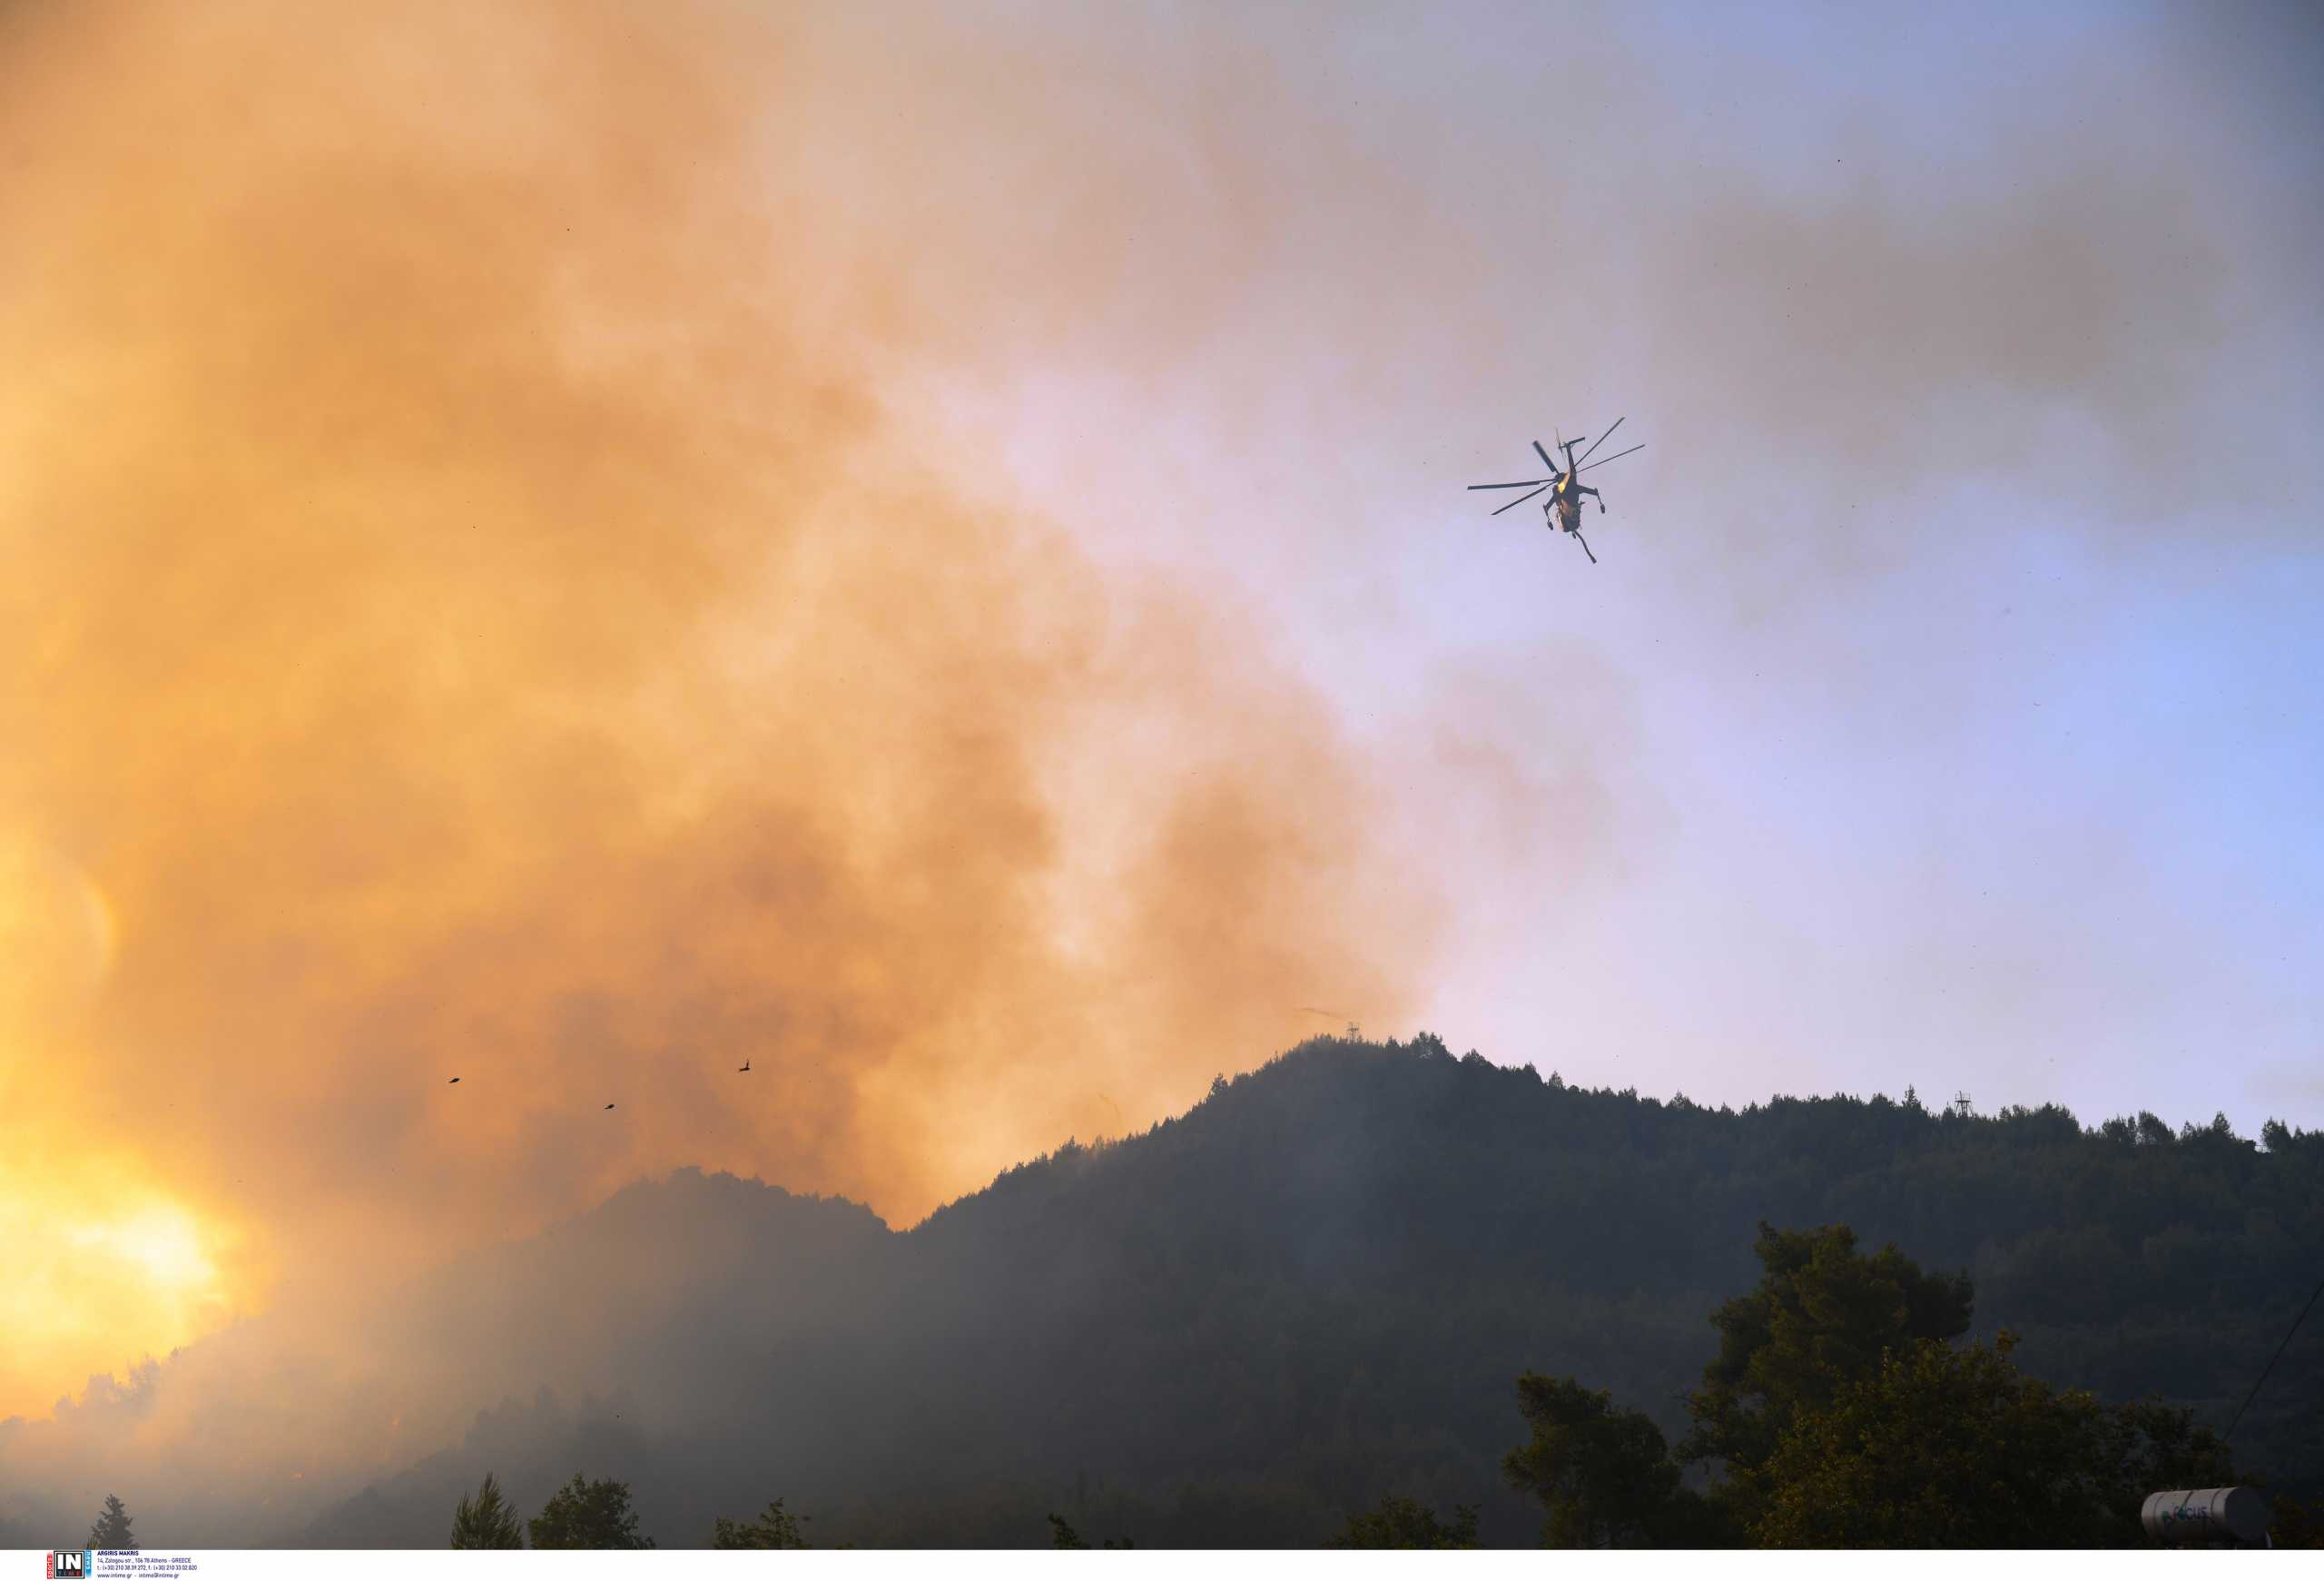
(112, 1530)
(487, 1522)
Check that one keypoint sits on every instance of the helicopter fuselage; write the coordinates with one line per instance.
(1565, 504)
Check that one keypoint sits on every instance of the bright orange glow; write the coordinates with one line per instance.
(102, 1270)
(104, 1263)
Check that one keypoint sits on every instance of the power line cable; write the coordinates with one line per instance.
(2248, 1398)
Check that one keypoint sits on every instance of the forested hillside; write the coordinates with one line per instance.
(1319, 1285)
(1316, 1289)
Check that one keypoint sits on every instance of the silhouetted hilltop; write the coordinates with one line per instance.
(1315, 1287)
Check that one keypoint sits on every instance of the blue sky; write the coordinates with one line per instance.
(1944, 710)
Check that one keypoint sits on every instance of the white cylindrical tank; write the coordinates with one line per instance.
(2206, 1515)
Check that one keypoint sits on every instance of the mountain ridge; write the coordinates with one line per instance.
(1315, 1286)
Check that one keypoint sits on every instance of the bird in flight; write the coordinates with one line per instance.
(453, 1082)
(746, 1066)
(609, 1106)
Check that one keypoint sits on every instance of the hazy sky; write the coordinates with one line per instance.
(573, 546)
(1943, 710)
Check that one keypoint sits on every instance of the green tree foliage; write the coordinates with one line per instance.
(1822, 1316)
(1405, 1522)
(1605, 1475)
(487, 1521)
(776, 1528)
(1946, 1446)
(588, 1515)
(111, 1528)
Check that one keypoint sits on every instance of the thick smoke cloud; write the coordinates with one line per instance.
(466, 617)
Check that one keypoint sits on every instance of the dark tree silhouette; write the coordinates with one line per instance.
(1063, 1535)
(1605, 1475)
(776, 1528)
(488, 1521)
(588, 1515)
(112, 1530)
(1405, 1522)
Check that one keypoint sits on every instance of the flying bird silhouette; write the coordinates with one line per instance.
(453, 1082)
(747, 1065)
(609, 1106)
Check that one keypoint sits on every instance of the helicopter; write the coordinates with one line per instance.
(1562, 508)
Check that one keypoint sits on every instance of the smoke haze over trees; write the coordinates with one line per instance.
(1313, 1291)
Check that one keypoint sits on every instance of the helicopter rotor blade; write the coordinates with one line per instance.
(1617, 456)
(1521, 500)
(1527, 483)
(1601, 439)
(1547, 460)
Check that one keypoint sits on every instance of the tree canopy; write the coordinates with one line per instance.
(1842, 1414)
(776, 1528)
(1406, 1523)
(1822, 1314)
(1605, 1475)
(1951, 1447)
(588, 1515)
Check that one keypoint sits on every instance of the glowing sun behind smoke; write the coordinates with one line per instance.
(104, 1266)
(162, 1241)
(100, 1273)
